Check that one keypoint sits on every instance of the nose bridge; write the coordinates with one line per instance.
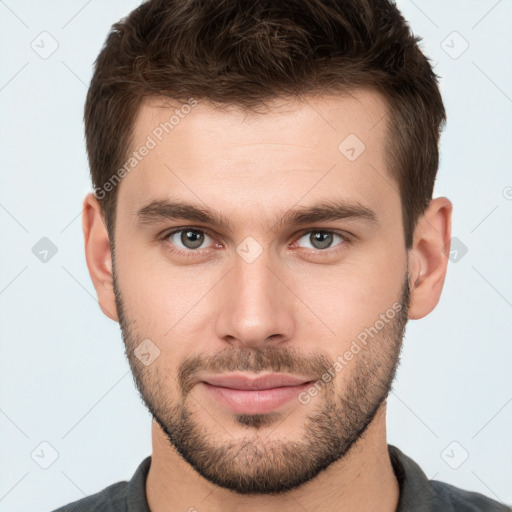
(253, 283)
(256, 305)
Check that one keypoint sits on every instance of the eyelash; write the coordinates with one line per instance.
(346, 239)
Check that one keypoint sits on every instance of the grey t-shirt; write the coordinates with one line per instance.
(417, 493)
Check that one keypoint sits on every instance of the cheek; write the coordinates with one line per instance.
(164, 302)
(348, 299)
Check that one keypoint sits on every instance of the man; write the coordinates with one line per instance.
(262, 227)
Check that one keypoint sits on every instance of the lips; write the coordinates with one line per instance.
(261, 394)
(242, 382)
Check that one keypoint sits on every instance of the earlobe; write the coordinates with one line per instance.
(428, 257)
(98, 255)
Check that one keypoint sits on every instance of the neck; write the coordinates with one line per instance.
(362, 480)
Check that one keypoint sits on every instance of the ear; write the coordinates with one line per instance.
(98, 255)
(428, 257)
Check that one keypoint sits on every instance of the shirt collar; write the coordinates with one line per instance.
(136, 499)
(416, 493)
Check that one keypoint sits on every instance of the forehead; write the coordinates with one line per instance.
(290, 151)
(311, 123)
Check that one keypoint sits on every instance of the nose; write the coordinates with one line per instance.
(256, 307)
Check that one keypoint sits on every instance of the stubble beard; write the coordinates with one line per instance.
(261, 462)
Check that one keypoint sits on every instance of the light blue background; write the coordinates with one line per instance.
(64, 378)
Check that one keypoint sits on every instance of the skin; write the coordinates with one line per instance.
(292, 300)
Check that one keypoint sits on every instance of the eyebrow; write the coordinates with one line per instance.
(330, 210)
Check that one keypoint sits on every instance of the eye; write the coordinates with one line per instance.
(189, 238)
(190, 241)
(321, 240)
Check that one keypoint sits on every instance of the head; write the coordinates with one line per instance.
(296, 146)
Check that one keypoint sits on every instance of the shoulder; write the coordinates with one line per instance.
(420, 494)
(465, 501)
(110, 499)
(125, 496)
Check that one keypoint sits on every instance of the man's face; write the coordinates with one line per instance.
(263, 295)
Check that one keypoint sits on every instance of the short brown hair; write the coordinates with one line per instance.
(234, 52)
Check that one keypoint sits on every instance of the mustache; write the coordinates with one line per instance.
(270, 358)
